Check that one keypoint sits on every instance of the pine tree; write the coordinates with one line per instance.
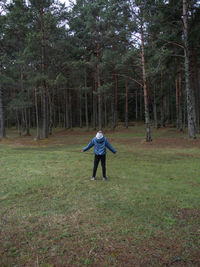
(189, 91)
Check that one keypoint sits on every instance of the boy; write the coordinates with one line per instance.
(100, 143)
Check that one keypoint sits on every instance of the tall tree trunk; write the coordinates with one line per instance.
(44, 116)
(94, 105)
(154, 92)
(18, 123)
(99, 91)
(23, 120)
(44, 93)
(26, 117)
(162, 120)
(126, 105)
(105, 112)
(37, 118)
(50, 114)
(2, 119)
(177, 103)
(162, 104)
(70, 107)
(164, 111)
(2, 124)
(86, 111)
(189, 91)
(26, 122)
(66, 109)
(194, 80)
(113, 111)
(99, 103)
(59, 116)
(29, 117)
(86, 102)
(116, 101)
(136, 105)
(155, 108)
(184, 112)
(146, 106)
(180, 112)
(141, 106)
(80, 110)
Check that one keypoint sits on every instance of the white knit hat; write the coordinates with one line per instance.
(99, 135)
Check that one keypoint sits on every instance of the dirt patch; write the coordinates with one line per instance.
(188, 214)
(57, 242)
(72, 137)
(172, 142)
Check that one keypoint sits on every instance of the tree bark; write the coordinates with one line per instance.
(44, 94)
(154, 93)
(99, 92)
(177, 104)
(37, 118)
(86, 103)
(105, 112)
(99, 104)
(194, 76)
(66, 108)
(18, 123)
(26, 117)
(180, 112)
(189, 92)
(116, 101)
(2, 119)
(2, 122)
(136, 105)
(50, 114)
(94, 106)
(141, 106)
(113, 111)
(80, 109)
(146, 106)
(155, 108)
(26, 122)
(70, 107)
(126, 105)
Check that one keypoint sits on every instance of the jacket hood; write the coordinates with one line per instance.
(99, 135)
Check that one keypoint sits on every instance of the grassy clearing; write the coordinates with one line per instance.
(146, 215)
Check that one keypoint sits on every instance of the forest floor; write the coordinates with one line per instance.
(147, 214)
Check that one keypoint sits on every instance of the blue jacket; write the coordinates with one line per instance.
(99, 146)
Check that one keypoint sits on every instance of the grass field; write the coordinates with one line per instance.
(147, 214)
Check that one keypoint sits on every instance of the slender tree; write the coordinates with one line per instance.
(189, 91)
(146, 104)
(2, 123)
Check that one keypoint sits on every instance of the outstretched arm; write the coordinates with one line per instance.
(110, 147)
(88, 146)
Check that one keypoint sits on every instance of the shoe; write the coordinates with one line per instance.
(105, 179)
(92, 179)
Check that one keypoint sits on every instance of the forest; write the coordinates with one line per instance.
(98, 64)
(127, 68)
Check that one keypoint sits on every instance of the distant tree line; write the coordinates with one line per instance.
(98, 63)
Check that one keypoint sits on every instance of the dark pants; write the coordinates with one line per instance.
(97, 158)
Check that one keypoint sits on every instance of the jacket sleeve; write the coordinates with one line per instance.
(108, 145)
(88, 146)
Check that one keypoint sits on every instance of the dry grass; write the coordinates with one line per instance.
(147, 214)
